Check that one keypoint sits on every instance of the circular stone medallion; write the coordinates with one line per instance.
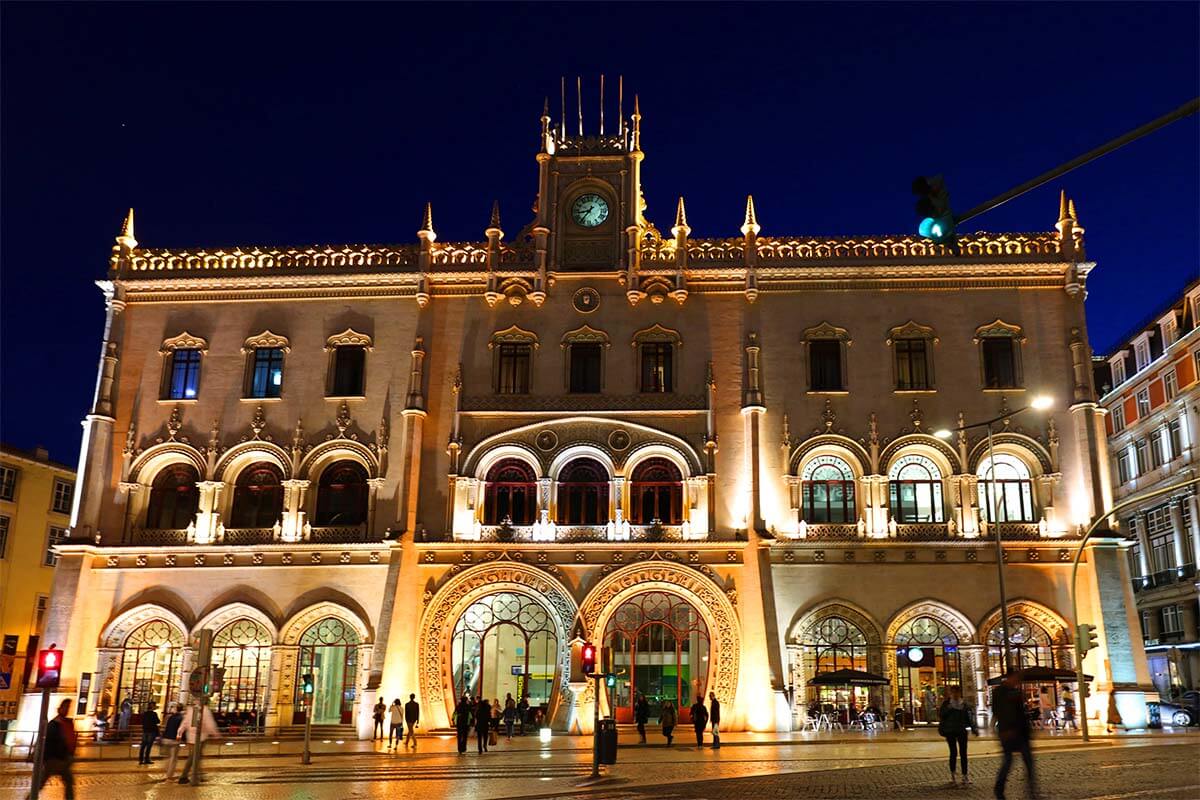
(618, 440)
(586, 300)
(546, 440)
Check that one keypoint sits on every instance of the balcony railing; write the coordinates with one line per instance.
(916, 532)
(578, 533)
(1166, 577)
(235, 537)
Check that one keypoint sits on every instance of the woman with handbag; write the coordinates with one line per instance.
(668, 719)
(955, 718)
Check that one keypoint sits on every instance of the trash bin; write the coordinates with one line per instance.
(608, 741)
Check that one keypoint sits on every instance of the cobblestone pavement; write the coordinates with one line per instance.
(1136, 769)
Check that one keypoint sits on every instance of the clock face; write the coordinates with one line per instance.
(589, 210)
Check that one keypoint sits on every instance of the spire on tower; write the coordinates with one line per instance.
(1074, 217)
(126, 239)
(636, 143)
(495, 214)
(1062, 205)
(681, 224)
(751, 224)
(427, 231)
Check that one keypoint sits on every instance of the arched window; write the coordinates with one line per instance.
(510, 493)
(342, 495)
(150, 664)
(243, 648)
(835, 643)
(257, 497)
(927, 665)
(328, 652)
(827, 491)
(174, 498)
(915, 485)
(505, 643)
(656, 493)
(583, 493)
(1014, 489)
(1029, 645)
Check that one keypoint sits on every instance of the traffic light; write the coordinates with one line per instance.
(1088, 637)
(589, 658)
(933, 207)
(306, 683)
(610, 680)
(217, 682)
(49, 667)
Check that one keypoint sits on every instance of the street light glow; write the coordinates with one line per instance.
(944, 433)
(1041, 402)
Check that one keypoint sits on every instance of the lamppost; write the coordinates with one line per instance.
(1038, 403)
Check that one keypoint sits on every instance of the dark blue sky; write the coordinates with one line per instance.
(234, 124)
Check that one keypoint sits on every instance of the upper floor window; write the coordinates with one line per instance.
(174, 498)
(656, 493)
(342, 495)
(266, 372)
(55, 536)
(1141, 454)
(1175, 437)
(64, 493)
(513, 351)
(510, 493)
(1143, 402)
(915, 489)
(657, 367)
(1000, 355)
(3, 536)
(8, 482)
(583, 493)
(1013, 490)
(913, 364)
(1196, 360)
(183, 380)
(1118, 417)
(826, 345)
(1118, 371)
(1170, 331)
(1172, 619)
(827, 491)
(1124, 475)
(1141, 353)
(348, 363)
(586, 365)
(1170, 384)
(257, 497)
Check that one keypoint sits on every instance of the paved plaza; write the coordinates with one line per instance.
(748, 766)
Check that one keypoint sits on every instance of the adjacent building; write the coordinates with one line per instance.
(429, 467)
(35, 506)
(1152, 396)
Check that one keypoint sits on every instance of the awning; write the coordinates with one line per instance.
(848, 677)
(1043, 675)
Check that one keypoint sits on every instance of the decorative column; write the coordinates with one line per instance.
(1143, 537)
(974, 672)
(710, 447)
(414, 421)
(753, 409)
(969, 510)
(680, 231)
(1194, 519)
(291, 526)
(875, 491)
(1179, 535)
(373, 487)
(208, 527)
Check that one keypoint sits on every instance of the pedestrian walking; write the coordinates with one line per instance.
(667, 718)
(1068, 712)
(123, 718)
(463, 714)
(510, 715)
(412, 718)
(1012, 724)
(955, 718)
(208, 729)
(522, 715)
(395, 724)
(380, 709)
(714, 718)
(58, 751)
(170, 738)
(150, 723)
(699, 719)
(641, 715)
(483, 724)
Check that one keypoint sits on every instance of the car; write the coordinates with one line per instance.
(1180, 713)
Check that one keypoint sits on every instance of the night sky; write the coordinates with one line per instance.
(227, 124)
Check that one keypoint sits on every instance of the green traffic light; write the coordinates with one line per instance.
(610, 680)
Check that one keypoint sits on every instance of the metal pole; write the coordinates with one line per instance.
(308, 715)
(204, 658)
(996, 500)
(39, 758)
(1185, 110)
(596, 730)
(1137, 498)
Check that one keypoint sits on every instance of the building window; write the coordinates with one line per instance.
(912, 364)
(1175, 437)
(825, 366)
(1123, 473)
(1143, 403)
(56, 536)
(999, 363)
(1013, 489)
(243, 649)
(3, 536)
(1158, 447)
(656, 359)
(915, 489)
(1172, 620)
(266, 372)
(257, 497)
(656, 493)
(1146, 617)
(174, 498)
(1169, 331)
(342, 495)
(64, 493)
(1141, 452)
(827, 491)
(1118, 371)
(512, 368)
(1161, 537)
(1196, 354)
(349, 367)
(1170, 384)
(1141, 353)
(583, 493)
(1118, 417)
(587, 361)
(8, 483)
(150, 664)
(510, 493)
(183, 375)
(39, 612)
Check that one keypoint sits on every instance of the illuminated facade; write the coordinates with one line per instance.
(434, 465)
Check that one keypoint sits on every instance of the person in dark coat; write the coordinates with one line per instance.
(1012, 725)
(955, 718)
(150, 723)
(714, 718)
(667, 717)
(59, 750)
(699, 719)
(483, 724)
(170, 738)
(463, 717)
(412, 718)
(641, 715)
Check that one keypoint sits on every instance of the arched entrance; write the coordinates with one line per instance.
(928, 663)
(150, 665)
(329, 652)
(660, 649)
(505, 643)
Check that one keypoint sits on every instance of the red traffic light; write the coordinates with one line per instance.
(589, 658)
(49, 666)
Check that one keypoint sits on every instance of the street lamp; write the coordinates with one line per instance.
(1038, 403)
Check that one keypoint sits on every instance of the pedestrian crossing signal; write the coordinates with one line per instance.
(49, 668)
(610, 680)
(306, 683)
(589, 658)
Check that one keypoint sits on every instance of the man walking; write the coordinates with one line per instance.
(188, 733)
(170, 738)
(412, 717)
(462, 722)
(59, 750)
(483, 724)
(150, 723)
(378, 712)
(641, 714)
(714, 717)
(699, 719)
(1012, 725)
(395, 724)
